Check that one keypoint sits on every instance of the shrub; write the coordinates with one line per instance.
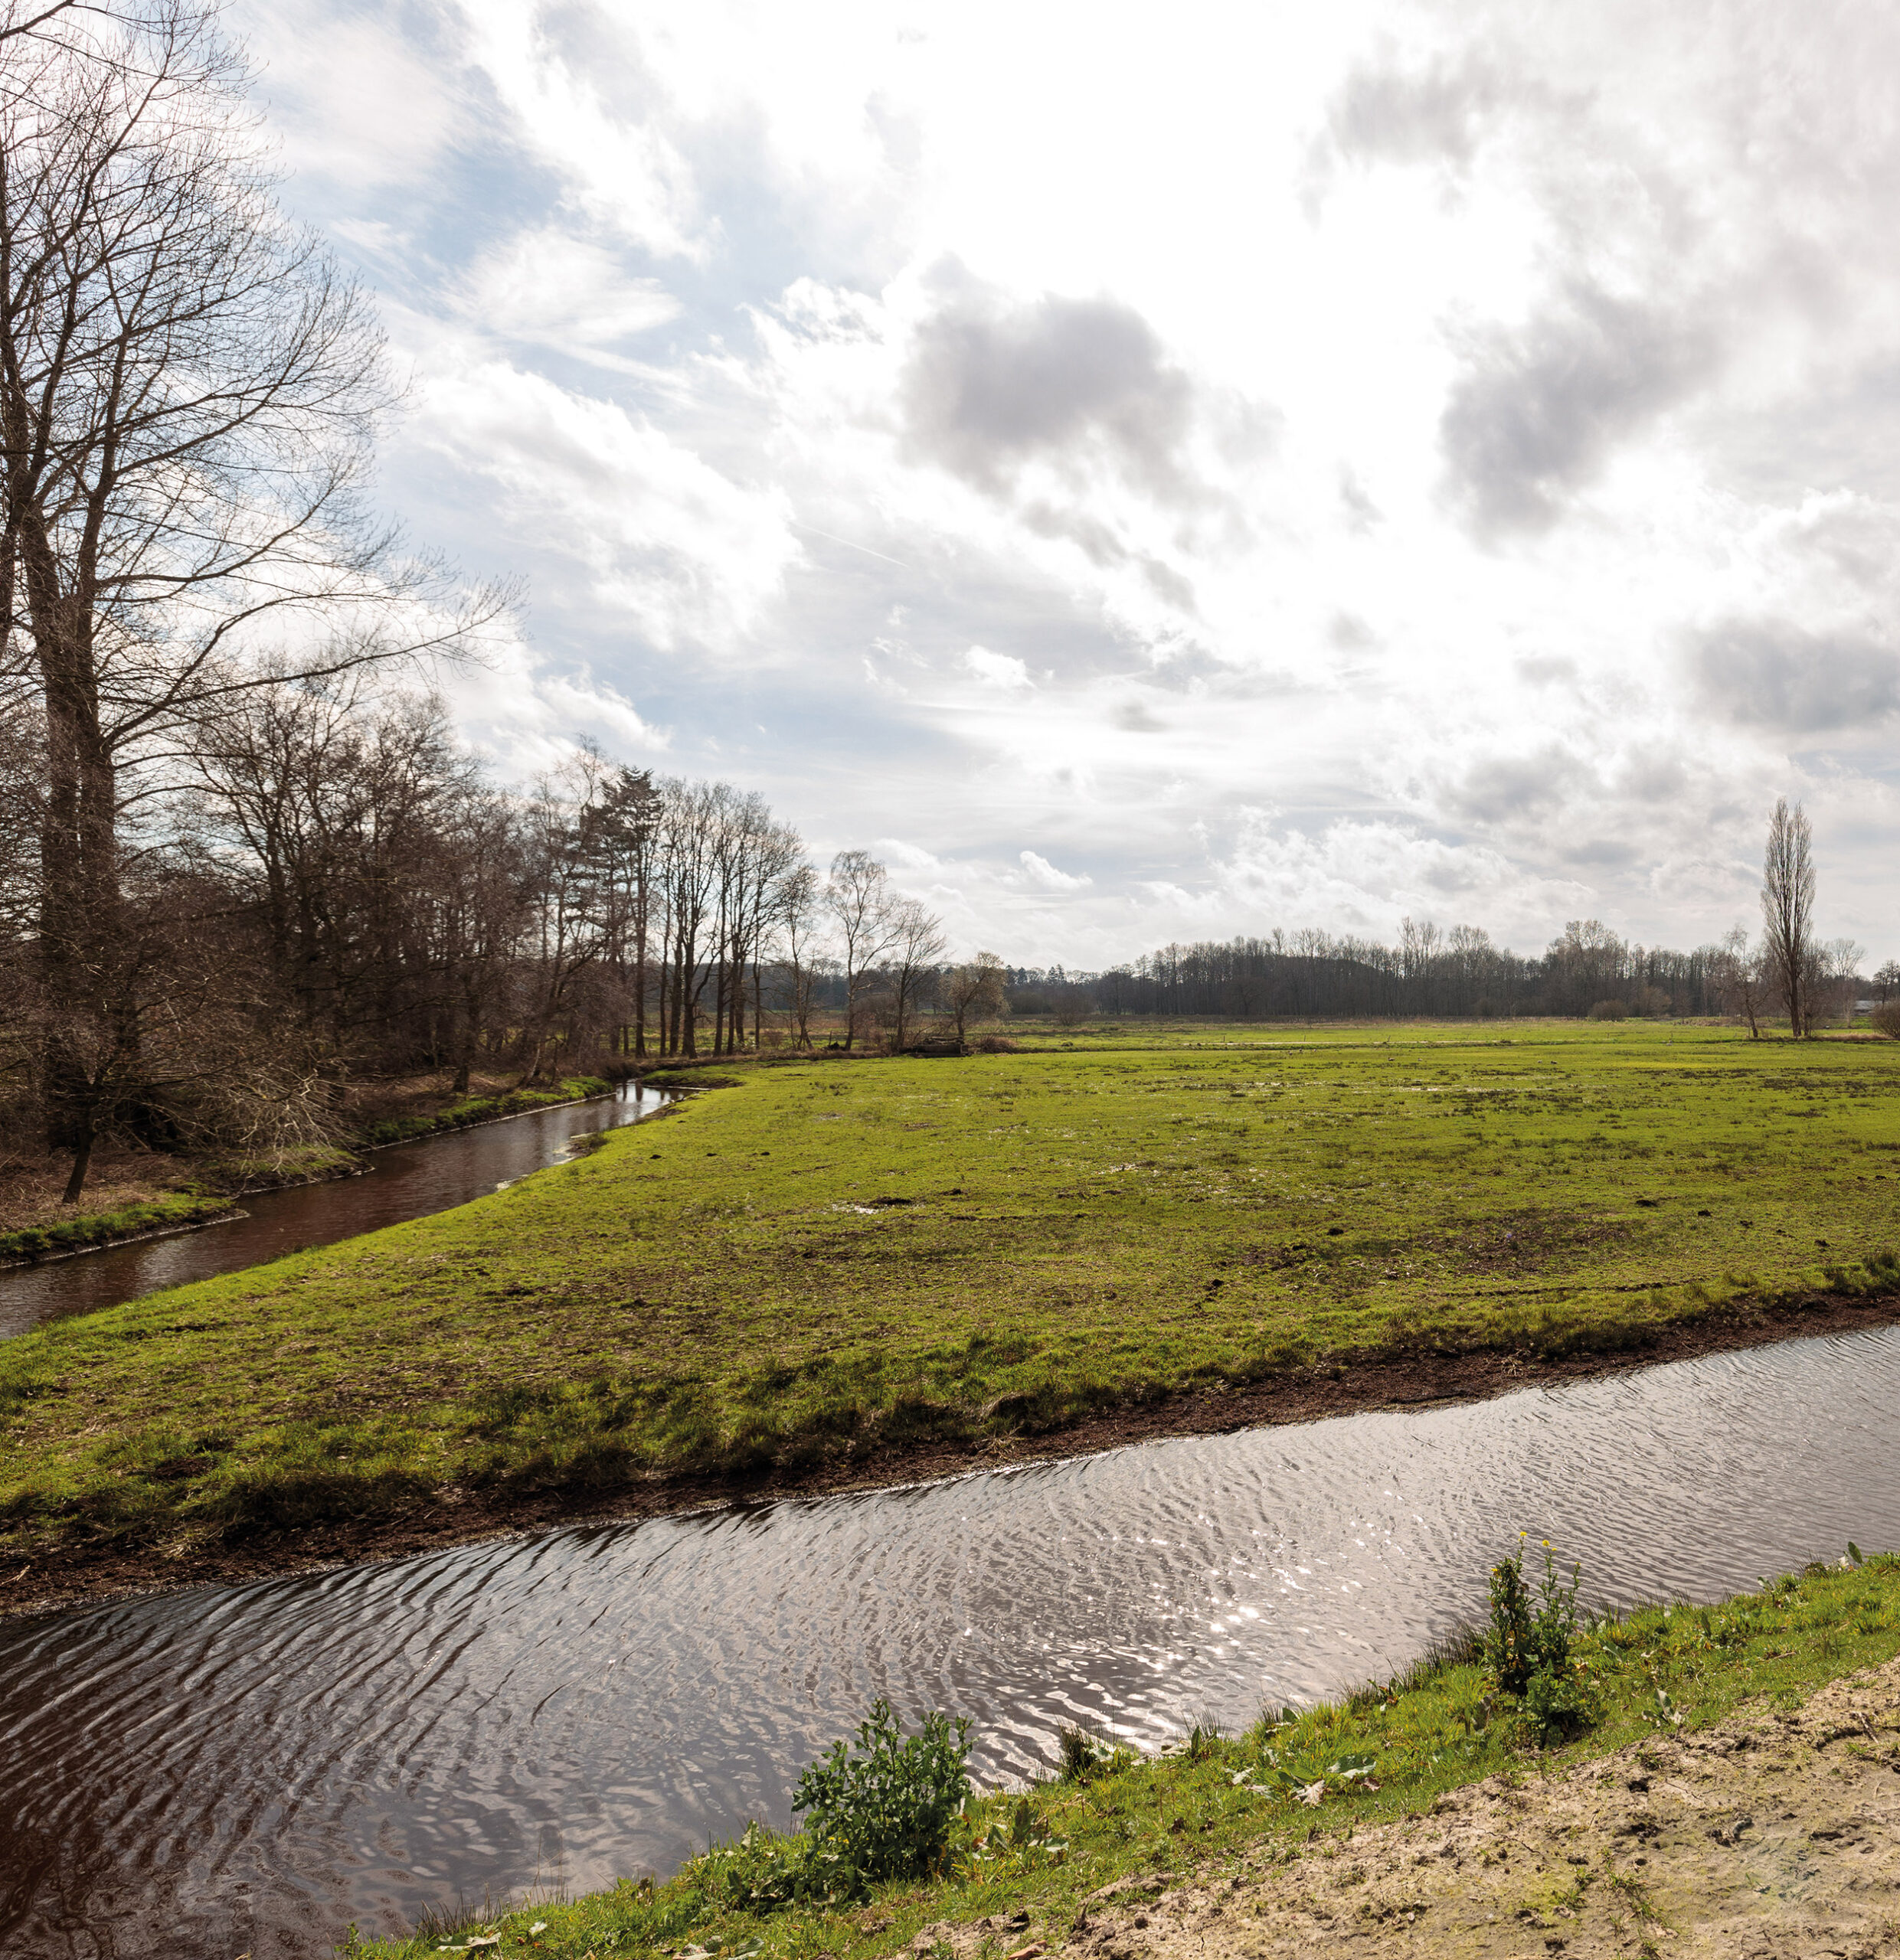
(1528, 1645)
(884, 1809)
(994, 1044)
(1609, 1010)
(1886, 1019)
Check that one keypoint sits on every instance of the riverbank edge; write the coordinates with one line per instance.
(189, 1207)
(1677, 1688)
(75, 1576)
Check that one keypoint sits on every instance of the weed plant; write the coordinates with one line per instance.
(884, 1807)
(1529, 1646)
(1085, 1757)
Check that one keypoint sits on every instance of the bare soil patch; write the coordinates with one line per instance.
(1527, 1241)
(1774, 1835)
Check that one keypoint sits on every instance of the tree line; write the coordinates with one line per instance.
(1786, 971)
(325, 885)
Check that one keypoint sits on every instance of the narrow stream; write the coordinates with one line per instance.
(405, 1180)
(248, 1770)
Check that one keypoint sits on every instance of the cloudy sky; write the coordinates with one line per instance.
(1164, 472)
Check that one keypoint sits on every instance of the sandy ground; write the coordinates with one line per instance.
(1775, 1836)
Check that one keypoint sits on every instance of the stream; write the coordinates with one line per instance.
(405, 1180)
(248, 1770)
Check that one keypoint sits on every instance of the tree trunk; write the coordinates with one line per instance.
(82, 1160)
(79, 934)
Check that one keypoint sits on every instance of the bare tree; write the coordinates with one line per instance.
(188, 392)
(565, 873)
(1736, 974)
(799, 922)
(857, 895)
(974, 992)
(774, 863)
(1787, 912)
(1835, 981)
(32, 20)
(916, 948)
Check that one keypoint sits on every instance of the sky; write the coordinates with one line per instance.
(1157, 473)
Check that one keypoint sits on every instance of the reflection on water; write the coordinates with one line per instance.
(250, 1768)
(406, 1180)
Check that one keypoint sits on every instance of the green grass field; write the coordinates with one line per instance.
(889, 1251)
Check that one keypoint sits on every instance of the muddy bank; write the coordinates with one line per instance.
(1774, 1835)
(78, 1576)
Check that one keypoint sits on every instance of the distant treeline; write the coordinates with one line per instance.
(1312, 975)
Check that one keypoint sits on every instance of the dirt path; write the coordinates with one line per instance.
(1775, 1836)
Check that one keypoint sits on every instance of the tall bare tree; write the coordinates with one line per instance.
(1735, 977)
(974, 991)
(774, 856)
(916, 949)
(857, 895)
(798, 934)
(1787, 912)
(188, 392)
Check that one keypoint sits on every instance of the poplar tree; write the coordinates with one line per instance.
(1787, 912)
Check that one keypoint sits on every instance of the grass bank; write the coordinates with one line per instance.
(1295, 1808)
(834, 1268)
(168, 1213)
(472, 1110)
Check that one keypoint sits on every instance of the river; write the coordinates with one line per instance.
(404, 1180)
(248, 1769)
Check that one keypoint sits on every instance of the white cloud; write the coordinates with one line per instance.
(571, 294)
(997, 669)
(1469, 429)
(1044, 875)
(356, 99)
(657, 535)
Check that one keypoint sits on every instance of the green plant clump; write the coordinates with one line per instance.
(884, 1808)
(1528, 1647)
(1086, 1757)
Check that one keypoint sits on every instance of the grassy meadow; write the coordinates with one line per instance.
(832, 1254)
